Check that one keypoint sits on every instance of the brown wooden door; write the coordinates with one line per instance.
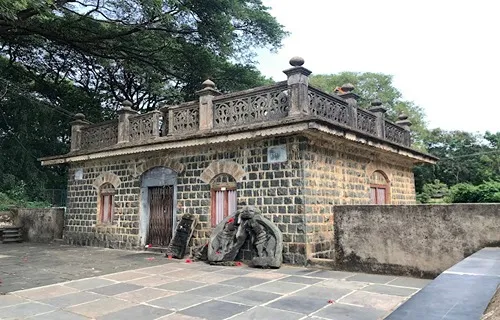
(160, 215)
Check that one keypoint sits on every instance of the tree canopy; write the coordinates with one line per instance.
(465, 157)
(60, 57)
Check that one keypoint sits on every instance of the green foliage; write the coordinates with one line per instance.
(435, 192)
(488, 192)
(370, 86)
(17, 197)
(60, 57)
(464, 158)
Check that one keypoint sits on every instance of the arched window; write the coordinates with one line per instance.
(224, 197)
(107, 203)
(379, 188)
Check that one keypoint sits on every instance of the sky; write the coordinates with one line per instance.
(444, 55)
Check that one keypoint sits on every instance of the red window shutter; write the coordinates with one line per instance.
(106, 208)
(223, 204)
(373, 195)
(381, 194)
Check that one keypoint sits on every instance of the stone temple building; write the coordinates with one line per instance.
(290, 149)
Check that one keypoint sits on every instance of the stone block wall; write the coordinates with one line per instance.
(338, 174)
(297, 195)
(275, 188)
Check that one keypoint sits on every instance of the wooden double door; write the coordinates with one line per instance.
(161, 215)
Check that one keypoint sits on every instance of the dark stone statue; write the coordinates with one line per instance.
(229, 236)
(183, 233)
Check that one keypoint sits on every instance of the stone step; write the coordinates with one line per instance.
(17, 239)
(11, 234)
(9, 231)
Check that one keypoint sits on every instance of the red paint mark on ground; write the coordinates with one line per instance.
(331, 301)
(188, 261)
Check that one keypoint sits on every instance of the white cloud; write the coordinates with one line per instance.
(444, 54)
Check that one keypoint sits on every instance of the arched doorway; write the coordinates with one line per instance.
(158, 212)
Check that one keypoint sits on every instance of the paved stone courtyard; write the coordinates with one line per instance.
(172, 289)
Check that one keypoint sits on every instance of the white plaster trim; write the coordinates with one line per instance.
(274, 131)
(294, 128)
(369, 142)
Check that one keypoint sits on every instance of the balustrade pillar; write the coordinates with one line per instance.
(76, 127)
(298, 83)
(206, 96)
(352, 101)
(379, 111)
(123, 121)
(405, 123)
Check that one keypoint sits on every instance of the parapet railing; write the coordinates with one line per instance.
(99, 135)
(251, 106)
(214, 111)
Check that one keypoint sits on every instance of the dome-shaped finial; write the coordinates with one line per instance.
(208, 84)
(127, 104)
(79, 116)
(376, 103)
(402, 117)
(296, 61)
(347, 87)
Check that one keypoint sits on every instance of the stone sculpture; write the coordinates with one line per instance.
(183, 233)
(231, 234)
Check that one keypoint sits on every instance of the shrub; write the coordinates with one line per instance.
(487, 192)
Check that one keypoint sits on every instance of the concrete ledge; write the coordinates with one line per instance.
(462, 292)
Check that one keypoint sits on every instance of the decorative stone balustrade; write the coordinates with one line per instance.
(323, 105)
(292, 99)
(251, 106)
(99, 135)
(184, 118)
(144, 126)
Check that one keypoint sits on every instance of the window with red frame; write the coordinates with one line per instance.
(107, 204)
(379, 188)
(223, 198)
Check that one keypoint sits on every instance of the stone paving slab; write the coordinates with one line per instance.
(460, 293)
(142, 312)
(29, 265)
(340, 311)
(251, 297)
(199, 291)
(395, 291)
(215, 310)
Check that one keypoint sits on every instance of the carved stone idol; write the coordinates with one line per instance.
(183, 233)
(247, 224)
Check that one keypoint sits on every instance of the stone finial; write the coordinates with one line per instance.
(376, 103)
(403, 121)
(79, 116)
(376, 106)
(347, 87)
(208, 84)
(127, 104)
(403, 117)
(208, 89)
(296, 61)
(346, 92)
